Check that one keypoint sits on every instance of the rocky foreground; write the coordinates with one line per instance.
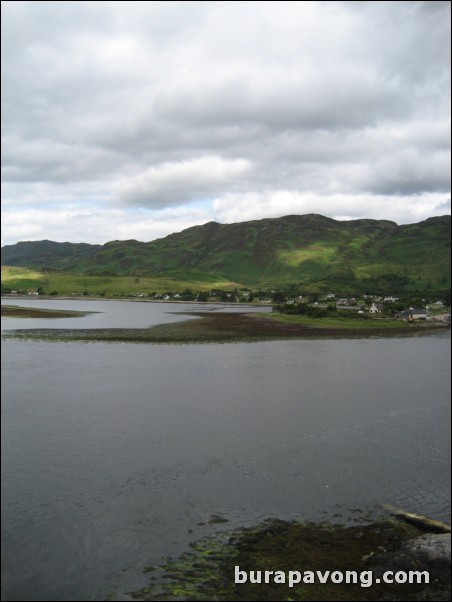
(208, 571)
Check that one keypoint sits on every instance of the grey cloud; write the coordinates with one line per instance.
(444, 206)
(412, 184)
(405, 173)
(317, 97)
(434, 6)
(43, 160)
(336, 102)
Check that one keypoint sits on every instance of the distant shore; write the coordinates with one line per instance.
(228, 327)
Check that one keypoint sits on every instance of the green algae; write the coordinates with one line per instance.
(206, 572)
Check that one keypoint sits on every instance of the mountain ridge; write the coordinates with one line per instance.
(311, 250)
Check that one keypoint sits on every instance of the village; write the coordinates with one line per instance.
(403, 308)
(409, 308)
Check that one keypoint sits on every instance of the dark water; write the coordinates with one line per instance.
(112, 453)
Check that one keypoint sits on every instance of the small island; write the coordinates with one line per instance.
(14, 311)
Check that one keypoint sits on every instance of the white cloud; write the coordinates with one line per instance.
(236, 208)
(102, 224)
(96, 225)
(138, 108)
(181, 182)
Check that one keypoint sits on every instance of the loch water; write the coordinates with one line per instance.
(116, 455)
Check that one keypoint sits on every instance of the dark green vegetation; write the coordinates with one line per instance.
(13, 311)
(309, 252)
(207, 572)
(233, 327)
(47, 254)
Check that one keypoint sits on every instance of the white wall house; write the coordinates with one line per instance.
(375, 308)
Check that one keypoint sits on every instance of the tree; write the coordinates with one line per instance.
(278, 297)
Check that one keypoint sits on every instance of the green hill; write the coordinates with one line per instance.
(313, 252)
(46, 253)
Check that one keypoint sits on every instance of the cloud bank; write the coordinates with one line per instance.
(137, 119)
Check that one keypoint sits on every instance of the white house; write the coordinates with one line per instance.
(376, 308)
(414, 313)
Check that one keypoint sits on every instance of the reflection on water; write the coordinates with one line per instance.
(114, 455)
(113, 314)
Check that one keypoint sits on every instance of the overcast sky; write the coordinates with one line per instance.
(138, 119)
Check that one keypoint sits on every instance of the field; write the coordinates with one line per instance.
(66, 284)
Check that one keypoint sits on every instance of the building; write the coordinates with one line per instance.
(376, 308)
(413, 314)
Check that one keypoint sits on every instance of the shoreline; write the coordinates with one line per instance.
(16, 311)
(231, 327)
(208, 570)
(134, 300)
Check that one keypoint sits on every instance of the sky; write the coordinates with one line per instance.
(133, 120)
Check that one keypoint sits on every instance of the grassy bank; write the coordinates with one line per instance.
(235, 327)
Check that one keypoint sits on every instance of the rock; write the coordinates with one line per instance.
(429, 548)
(430, 552)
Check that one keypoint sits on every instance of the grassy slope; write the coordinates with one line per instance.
(311, 251)
(420, 251)
(66, 284)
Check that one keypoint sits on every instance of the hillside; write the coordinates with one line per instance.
(44, 254)
(313, 252)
